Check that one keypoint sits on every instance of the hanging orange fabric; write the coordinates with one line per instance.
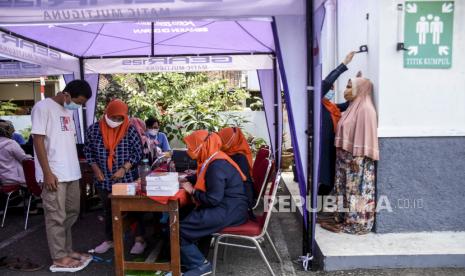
(234, 142)
(333, 110)
(205, 148)
(112, 136)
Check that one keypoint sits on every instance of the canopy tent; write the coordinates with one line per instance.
(106, 36)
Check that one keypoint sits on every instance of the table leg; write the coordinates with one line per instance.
(118, 237)
(174, 238)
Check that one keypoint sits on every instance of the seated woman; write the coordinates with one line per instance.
(113, 149)
(220, 196)
(235, 146)
(155, 136)
(11, 157)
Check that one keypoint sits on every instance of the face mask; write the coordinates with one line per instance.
(111, 123)
(330, 95)
(153, 132)
(194, 154)
(72, 106)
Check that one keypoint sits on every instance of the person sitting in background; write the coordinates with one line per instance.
(139, 125)
(235, 146)
(220, 196)
(11, 157)
(16, 136)
(113, 149)
(156, 137)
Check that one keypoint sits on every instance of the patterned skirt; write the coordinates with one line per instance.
(354, 189)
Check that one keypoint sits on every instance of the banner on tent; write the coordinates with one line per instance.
(15, 69)
(61, 11)
(19, 49)
(179, 64)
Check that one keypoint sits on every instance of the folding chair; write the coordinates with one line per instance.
(8, 190)
(262, 153)
(261, 176)
(252, 231)
(32, 185)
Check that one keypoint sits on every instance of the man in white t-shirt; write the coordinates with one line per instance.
(57, 168)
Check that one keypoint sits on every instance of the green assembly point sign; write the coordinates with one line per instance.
(428, 33)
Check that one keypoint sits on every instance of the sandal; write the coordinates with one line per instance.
(82, 257)
(333, 227)
(24, 265)
(73, 266)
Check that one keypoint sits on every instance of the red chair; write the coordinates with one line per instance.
(262, 154)
(261, 175)
(32, 185)
(253, 231)
(8, 190)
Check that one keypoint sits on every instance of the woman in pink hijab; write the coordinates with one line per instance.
(356, 152)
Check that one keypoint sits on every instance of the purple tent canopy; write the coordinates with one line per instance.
(170, 37)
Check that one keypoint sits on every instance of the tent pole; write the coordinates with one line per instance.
(311, 187)
(84, 109)
(276, 115)
(153, 39)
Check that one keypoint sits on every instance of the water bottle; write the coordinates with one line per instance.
(172, 166)
(144, 170)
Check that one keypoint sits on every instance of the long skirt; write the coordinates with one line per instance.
(355, 192)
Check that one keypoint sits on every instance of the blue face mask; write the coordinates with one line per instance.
(330, 95)
(72, 106)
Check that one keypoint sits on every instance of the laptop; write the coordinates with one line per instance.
(182, 161)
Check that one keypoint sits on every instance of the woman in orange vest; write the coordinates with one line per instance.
(218, 190)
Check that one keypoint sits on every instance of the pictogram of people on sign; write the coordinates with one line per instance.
(429, 24)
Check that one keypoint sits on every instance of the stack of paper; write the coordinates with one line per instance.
(162, 184)
(123, 189)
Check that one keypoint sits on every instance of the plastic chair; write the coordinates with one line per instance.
(32, 185)
(8, 190)
(252, 231)
(261, 176)
(262, 154)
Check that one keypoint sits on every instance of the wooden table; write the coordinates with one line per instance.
(121, 204)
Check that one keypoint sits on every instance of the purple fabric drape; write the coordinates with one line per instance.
(266, 79)
(91, 104)
(289, 35)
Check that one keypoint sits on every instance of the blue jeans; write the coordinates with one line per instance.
(191, 257)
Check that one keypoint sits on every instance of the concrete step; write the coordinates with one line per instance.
(340, 251)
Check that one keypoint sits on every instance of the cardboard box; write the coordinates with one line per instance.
(128, 189)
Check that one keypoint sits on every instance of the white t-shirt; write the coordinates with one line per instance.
(55, 122)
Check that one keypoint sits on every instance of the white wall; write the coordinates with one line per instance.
(420, 102)
(19, 122)
(410, 102)
(354, 30)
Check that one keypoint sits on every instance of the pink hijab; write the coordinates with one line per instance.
(140, 127)
(357, 130)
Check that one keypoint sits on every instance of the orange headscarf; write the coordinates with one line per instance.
(333, 110)
(206, 148)
(234, 142)
(112, 136)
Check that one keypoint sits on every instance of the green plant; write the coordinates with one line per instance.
(26, 133)
(257, 105)
(7, 108)
(182, 101)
